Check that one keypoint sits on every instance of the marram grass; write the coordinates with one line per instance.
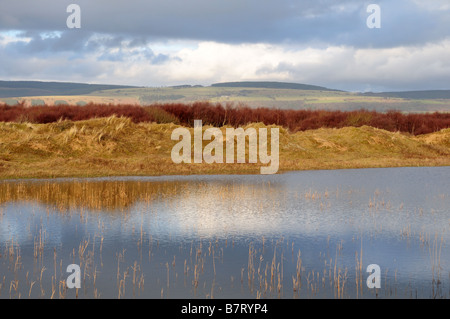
(118, 147)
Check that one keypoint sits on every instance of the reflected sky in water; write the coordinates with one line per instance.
(396, 214)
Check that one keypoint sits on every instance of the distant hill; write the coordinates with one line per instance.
(272, 85)
(185, 86)
(38, 88)
(414, 95)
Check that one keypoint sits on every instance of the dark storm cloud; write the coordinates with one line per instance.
(34, 42)
(112, 48)
(404, 22)
(148, 42)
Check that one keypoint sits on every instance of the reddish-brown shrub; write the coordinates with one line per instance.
(216, 114)
(48, 114)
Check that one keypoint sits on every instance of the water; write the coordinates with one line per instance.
(308, 234)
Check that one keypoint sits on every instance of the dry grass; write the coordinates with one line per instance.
(117, 147)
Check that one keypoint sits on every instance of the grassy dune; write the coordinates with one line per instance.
(117, 146)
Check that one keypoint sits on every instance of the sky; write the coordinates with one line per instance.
(200, 42)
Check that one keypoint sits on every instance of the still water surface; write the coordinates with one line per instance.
(308, 234)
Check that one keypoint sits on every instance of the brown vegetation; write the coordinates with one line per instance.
(219, 115)
(118, 146)
(49, 114)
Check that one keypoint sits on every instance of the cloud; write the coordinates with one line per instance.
(405, 22)
(340, 67)
(172, 42)
(32, 42)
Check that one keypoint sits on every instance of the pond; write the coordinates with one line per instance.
(306, 234)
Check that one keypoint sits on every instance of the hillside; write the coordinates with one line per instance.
(278, 95)
(415, 95)
(38, 88)
(273, 85)
(117, 146)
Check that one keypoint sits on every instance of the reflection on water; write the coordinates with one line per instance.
(295, 235)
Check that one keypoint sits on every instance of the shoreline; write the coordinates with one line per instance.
(177, 176)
